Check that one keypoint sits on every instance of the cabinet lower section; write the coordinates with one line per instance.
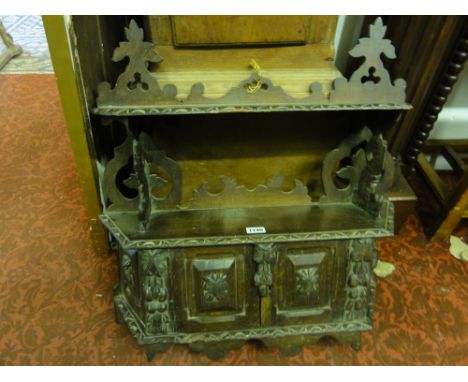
(215, 298)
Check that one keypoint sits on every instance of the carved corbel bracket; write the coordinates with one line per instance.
(360, 170)
(149, 163)
(150, 169)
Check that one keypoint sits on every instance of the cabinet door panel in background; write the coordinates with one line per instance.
(200, 31)
(215, 290)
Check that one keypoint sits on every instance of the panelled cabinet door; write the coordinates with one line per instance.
(214, 289)
(307, 278)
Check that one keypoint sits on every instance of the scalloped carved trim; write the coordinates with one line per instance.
(234, 195)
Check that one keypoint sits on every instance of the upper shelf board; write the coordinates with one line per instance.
(139, 91)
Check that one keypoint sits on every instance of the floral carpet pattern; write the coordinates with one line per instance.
(28, 32)
(56, 295)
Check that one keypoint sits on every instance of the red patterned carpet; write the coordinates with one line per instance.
(55, 293)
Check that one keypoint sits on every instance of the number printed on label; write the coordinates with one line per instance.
(251, 230)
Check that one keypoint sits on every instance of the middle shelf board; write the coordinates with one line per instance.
(182, 228)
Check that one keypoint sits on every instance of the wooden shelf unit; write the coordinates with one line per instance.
(191, 157)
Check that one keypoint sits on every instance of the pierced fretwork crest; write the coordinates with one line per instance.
(235, 195)
(370, 83)
(360, 170)
(136, 81)
(155, 178)
(137, 90)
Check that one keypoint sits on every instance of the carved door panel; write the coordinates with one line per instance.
(215, 289)
(307, 278)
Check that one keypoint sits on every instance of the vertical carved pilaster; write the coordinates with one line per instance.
(264, 256)
(129, 273)
(360, 280)
(155, 269)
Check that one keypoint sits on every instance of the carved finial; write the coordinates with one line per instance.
(136, 83)
(136, 48)
(370, 83)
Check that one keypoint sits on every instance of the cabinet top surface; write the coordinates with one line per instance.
(229, 226)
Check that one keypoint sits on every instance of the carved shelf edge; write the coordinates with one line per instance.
(137, 91)
(129, 110)
(181, 338)
(385, 230)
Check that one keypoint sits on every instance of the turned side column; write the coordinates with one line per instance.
(442, 90)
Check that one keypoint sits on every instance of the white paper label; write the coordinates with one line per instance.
(251, 230)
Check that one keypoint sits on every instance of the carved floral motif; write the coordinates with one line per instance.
(215, 287)
(307, 281)
(360, 280)
(154, 265)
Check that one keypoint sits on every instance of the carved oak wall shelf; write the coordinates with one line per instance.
(282, 257)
